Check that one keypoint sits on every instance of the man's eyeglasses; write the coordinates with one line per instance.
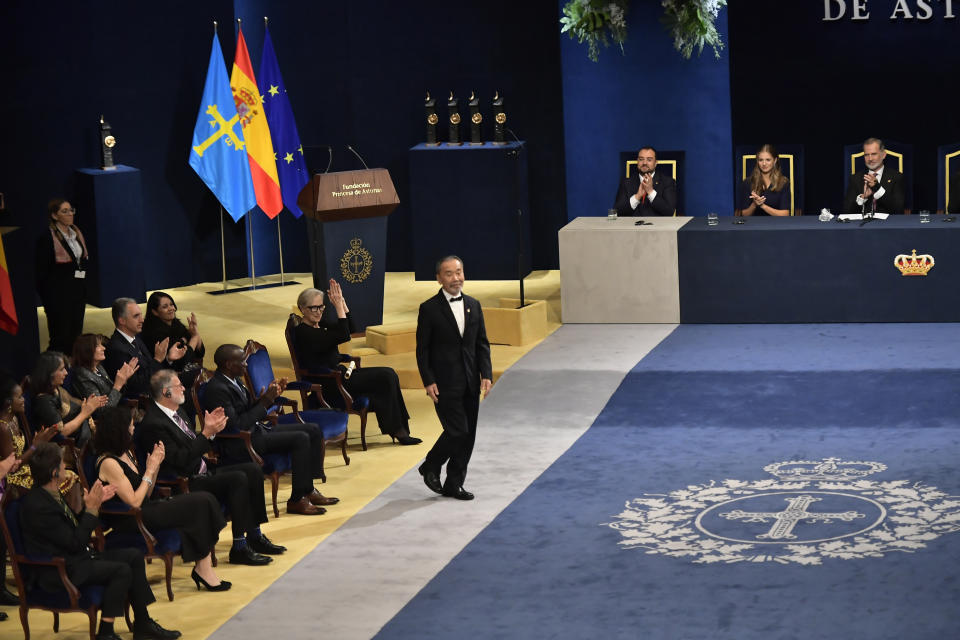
(317, 308)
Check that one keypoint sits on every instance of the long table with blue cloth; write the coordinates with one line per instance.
(745, 270)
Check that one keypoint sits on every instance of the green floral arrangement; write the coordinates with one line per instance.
(591, 21)
(692, 23)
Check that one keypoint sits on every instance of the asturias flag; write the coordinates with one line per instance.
(291, 167)
(217, 153)
(256, 131)
(8, 310)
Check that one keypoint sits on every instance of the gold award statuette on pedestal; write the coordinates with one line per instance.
(499, 119)
(430, 106)
(454, 124)
(475, 119)
(107, 143)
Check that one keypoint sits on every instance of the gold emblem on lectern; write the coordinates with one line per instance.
(455, 118)
(913, 265)
(356, 263)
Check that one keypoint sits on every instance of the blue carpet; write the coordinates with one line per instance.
(648, 526)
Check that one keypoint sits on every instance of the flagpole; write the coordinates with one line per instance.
(223, 247)
(280, 248)
(253, 268)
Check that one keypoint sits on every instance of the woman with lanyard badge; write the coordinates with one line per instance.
(61, 276)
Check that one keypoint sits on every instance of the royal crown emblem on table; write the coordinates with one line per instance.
(811, 511)
(914, 265)
(356, 262)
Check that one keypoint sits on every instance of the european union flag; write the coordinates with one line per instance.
(291, 167)
(218, 153)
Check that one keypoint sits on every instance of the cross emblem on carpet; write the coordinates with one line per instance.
(741, 520)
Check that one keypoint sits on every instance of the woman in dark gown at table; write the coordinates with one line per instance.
(315, 343)
(767, 191)
(195, 515)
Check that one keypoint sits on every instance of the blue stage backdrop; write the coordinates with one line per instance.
(827, 83)
(649, 96)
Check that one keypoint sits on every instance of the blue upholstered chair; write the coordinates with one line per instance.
(899, 156)
(948, 178)
(791, 165)
(310, 382)
(259, 374)
(163, 544)
(86, 599)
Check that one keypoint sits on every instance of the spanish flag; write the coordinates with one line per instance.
(256, 132)
(8, 310)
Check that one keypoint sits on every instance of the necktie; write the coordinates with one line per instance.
(190, 434)
(873, 198)
(68, 511)
(457, 299)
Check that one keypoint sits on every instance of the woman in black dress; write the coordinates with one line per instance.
(316, 343)
(196, 515)
(61, 263)
(161, 322)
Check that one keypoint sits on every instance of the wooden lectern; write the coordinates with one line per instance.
(347, 230)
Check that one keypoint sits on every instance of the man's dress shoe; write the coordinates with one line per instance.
(319, 499)
(432, 480)
(150, 630)
(246, 555)
(304, 508)
(459, 493)
(261, 544)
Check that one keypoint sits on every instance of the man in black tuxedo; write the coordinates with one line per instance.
(453, 356)
(51, 528)
(876, 188)
(303, 442)
(239, 486)
(648, 193)
(126, 344)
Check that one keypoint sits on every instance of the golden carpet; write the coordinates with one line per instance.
(262, 315)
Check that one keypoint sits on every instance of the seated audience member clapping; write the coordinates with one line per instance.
(161, 323)
(51, 528)
(315, 343)
(196, 515)
(89, 376)
(767, 191)
(126, 344)
(238, 486)
(53, 406)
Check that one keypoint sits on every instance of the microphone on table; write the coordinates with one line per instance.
(359, 157)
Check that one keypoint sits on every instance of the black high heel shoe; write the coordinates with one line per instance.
(223, 586)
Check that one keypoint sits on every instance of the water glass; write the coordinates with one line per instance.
(611, 214)
(712, 219)
(924, 216)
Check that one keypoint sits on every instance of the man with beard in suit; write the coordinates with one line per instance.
(303, 442)
(453, 356)
(877, 188)
(648, 193)
(126, 344)
(238, 486)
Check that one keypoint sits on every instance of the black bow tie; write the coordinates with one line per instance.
(457, 299)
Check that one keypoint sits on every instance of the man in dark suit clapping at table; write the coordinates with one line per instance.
(877, 188)
(453, 356)
(648, 193)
